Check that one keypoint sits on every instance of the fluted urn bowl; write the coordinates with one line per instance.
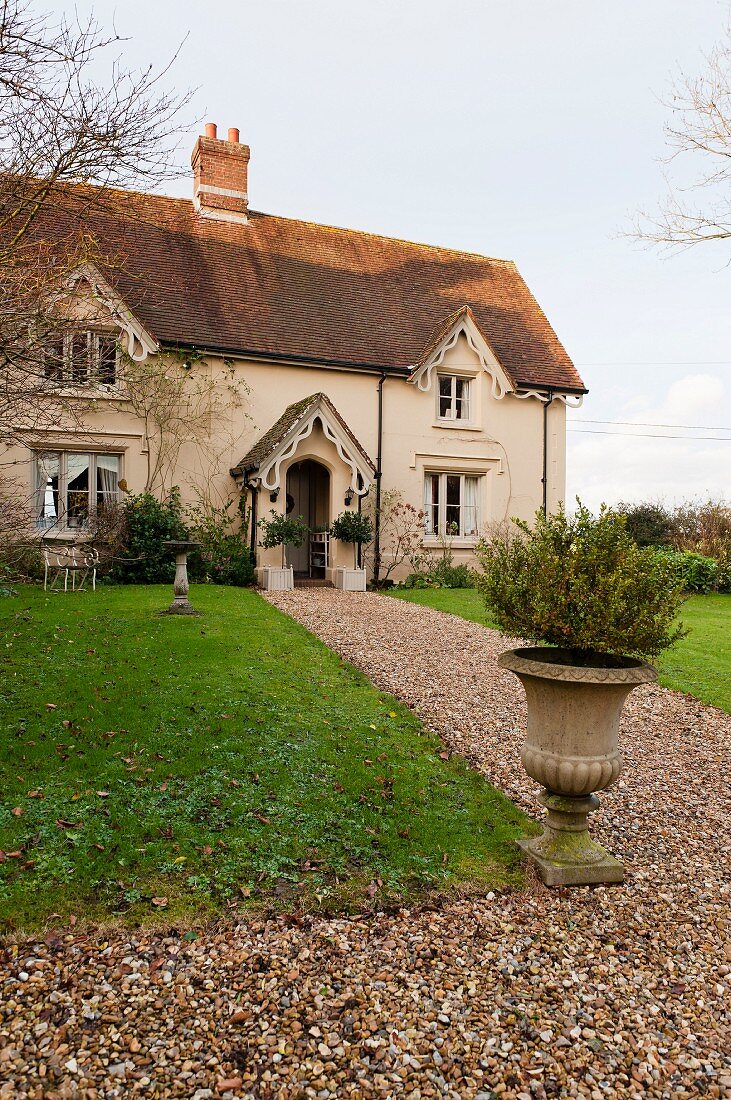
(572, 749)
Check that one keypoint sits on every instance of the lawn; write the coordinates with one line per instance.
(700, 664)
(187, 766)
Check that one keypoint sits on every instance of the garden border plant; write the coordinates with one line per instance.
(598, 604)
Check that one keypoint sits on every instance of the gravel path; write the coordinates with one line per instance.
(621, 991)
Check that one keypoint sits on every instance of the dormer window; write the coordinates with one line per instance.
(81, 359)
(453, 397)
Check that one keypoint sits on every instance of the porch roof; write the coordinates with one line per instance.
(286, 428)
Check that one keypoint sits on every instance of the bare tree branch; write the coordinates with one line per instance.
(70, 144)
(698, 134)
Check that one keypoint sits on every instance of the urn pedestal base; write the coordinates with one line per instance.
(565, 854)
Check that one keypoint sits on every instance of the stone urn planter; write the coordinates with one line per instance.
(181, 605)
(276, 578)
(571, 748)
(350, 580)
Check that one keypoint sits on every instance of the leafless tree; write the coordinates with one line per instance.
(697, 209)
(69, 141)
(176, 407)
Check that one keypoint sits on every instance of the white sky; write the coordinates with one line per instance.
(525, 129)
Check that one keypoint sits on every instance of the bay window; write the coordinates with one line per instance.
(453, 397)
(451, 505)
(70, 486)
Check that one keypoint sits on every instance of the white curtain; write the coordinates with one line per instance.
(107, 479)
(469, 506)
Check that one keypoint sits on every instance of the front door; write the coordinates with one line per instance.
(308, 496)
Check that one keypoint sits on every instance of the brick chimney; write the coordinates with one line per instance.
(220, 170)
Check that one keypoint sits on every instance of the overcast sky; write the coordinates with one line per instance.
(525, 129)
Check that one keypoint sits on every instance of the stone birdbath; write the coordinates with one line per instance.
(181, 604)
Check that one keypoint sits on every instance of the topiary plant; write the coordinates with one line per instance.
(355, 527)
(582, 584)
(283, 531)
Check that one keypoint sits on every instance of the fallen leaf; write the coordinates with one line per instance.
(103, 794)
(66, 723)
(392, 714)
(444, 756)
(51, 706)
(372, 890)
(17, 811)
(100, 847)
(36, 794)
(62, 823)
(264, 820)
(160, 903)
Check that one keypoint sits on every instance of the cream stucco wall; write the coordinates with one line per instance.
(503, 442)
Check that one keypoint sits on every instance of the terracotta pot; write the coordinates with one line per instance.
(572, 750)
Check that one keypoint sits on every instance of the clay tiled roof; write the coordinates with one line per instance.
(292, 416)
(296, 290)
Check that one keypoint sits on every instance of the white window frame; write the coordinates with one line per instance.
(60, 525)
(439, 530)
(462, 405)
(64, 375)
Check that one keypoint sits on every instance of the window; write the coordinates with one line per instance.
(70, 486)
(82, 358)
(453, 397)
(450, 503)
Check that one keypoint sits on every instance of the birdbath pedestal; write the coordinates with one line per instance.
(181, 605)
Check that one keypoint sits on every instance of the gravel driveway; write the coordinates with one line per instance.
(590, 992)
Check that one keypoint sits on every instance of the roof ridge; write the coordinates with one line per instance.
(385, 237)
(121, 191)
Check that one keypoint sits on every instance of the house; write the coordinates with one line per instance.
(368, 366)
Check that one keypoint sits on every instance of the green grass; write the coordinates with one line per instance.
(700, 664)
(215, 762)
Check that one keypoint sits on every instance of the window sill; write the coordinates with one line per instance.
(454, 542)
(457, 425)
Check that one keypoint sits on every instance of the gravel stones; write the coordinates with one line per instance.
(590, 992)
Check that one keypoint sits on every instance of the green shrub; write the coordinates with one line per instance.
(582, 584)
(355, 527)
(696, 572)
(723, 577)
(647, 524)
(283, 531)
(146, 524)
(437, 570)
(222, 531)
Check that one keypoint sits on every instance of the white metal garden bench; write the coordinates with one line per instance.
(76, 561)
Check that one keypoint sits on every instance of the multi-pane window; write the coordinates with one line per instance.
(70, 486)
(451, 505)
(82, 359)
(453, 397)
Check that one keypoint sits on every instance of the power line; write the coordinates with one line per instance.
(677, 363)
(652, 424)
(657, 435)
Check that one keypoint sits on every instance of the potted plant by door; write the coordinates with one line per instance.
(355, 527)
(595, 605)
(281, 531)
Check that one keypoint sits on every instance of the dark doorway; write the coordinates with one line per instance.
(308, 495)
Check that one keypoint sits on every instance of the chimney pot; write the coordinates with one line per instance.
(211, 129)
(233, 134)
